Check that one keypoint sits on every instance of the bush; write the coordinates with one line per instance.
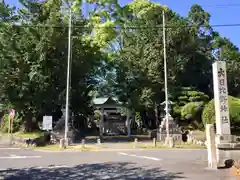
(208, 115)
(191, 110)
(97, 115)
(192, 113)
(5, 123)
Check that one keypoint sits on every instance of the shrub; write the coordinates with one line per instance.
(97, 115)
(191, 110)
(5, 123)
(208, 115)
(192, 113)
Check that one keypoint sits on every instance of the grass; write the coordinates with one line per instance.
(131, 145)
(177, 145)
(21, 134)
(140, 145)
(30, 135)
(56, 147)
(128, 145)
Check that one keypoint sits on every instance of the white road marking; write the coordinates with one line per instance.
(12, 155)
(3, 169)
(19, 157)
(142, 157)
(5, 148)
(52, 167)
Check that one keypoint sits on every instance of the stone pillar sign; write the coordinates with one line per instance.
(221, 98)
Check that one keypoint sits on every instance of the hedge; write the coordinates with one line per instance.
(208, 115)
(191, 110)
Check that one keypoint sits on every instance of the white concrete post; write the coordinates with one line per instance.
(221, 98)
(160, 134)
(217, 141)
(128, 123)
(101, 128)
(135, 142)
(211, 146)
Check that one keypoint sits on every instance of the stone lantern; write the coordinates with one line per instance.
(174, 130)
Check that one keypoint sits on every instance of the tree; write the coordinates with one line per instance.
(116, 51)
(138, 58)
(34, 76)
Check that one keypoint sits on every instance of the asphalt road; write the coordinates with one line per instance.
(22, 164)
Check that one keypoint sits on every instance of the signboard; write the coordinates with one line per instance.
(10, 121)
(47, 123)
(221, 98)
(11, 113)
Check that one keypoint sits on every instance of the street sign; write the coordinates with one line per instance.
(11, 113)
(47, 123)
(10, 121)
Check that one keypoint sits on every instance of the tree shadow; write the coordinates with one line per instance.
(98, 171)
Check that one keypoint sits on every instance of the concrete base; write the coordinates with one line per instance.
(169, 142)
(66, 142)
(228, 146)
(227, 149)
(10, 140)
(227, 152)
(222, 139)
(61, 144)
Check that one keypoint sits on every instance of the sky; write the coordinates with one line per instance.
(222, 12)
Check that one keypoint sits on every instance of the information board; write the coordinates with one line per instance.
(47, 123)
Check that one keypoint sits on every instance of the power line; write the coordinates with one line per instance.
(220, 5)
(129, 27)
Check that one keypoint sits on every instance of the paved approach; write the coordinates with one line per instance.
(22, 164)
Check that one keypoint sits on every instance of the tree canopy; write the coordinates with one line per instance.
(116, 50)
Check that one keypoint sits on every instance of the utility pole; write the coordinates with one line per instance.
(165, 77)
(68, 74)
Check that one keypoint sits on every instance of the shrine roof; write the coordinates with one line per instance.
(106, 100)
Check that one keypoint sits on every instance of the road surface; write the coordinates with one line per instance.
(23, 164)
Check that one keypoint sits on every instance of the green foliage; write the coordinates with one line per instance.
(191, 110)
(104, 33)
(4, 123)
(16, 126)
(138, 117)
(208, 115)
(188, 103)
(33, 76)
(185, 95)
(119, 51)
(97, 115)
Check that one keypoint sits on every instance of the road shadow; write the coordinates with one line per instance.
(98, 171)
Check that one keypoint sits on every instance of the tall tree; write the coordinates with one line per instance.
(34, 77)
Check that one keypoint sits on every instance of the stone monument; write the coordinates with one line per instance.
(224, 140)
(221, 99)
